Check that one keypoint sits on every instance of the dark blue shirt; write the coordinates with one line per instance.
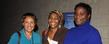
(84, 34)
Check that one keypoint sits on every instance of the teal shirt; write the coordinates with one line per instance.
(35, 38)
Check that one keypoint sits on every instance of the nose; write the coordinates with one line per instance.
(77, 16)
(52, 20)
(29, 24)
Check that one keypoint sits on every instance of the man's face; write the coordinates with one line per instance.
(81, 16)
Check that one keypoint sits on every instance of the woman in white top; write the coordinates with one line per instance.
(55, 32)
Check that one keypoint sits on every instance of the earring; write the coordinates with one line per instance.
(59, 26)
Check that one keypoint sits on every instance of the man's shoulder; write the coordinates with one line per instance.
(69, 31)
(93, 29)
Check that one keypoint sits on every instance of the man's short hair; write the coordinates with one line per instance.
(85, 6)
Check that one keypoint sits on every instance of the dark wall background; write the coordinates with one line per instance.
(12, 10)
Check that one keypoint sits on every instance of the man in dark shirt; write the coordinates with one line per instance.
(83, 33)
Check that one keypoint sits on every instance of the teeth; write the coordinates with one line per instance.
(29, 27)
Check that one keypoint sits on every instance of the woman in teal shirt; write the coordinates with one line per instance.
(27, 34)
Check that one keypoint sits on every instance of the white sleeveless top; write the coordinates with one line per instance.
(50, 41)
